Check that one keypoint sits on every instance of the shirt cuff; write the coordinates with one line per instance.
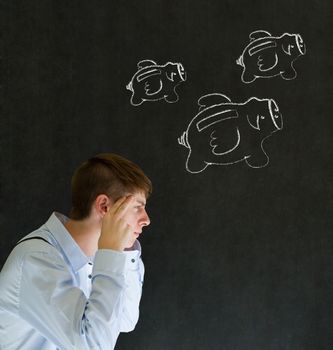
(132, 259)
(108, 261)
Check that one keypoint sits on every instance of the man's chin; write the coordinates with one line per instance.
(130, 246)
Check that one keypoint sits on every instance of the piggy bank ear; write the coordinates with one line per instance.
(170, 70)
(254, 120)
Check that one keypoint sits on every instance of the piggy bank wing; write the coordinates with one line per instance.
(221, 125)
(267, 61)
(153, 86)
(258, 34)
(151, 80)
(225, 141)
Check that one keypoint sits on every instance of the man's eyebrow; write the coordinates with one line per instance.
(141, 202)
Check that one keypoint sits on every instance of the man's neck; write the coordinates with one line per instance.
(85, 233)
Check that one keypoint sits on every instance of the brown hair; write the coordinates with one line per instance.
(109, 174)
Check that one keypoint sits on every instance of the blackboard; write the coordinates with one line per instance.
(237, 258)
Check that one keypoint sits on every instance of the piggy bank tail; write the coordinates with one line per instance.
(183, 140)
(240, 61)
(129, 86)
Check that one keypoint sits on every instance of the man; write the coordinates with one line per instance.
(75, 283)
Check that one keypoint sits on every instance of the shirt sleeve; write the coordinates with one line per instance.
(50, 302)
(132, 294)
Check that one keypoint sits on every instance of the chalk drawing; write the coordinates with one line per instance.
(224, 133)
(267, 56)
(153, 82)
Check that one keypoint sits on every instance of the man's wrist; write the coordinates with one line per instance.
(110, 245)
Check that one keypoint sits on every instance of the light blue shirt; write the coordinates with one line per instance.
(52, 296)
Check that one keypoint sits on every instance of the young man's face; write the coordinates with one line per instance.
(136, 215)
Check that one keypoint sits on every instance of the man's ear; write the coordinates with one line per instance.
(102, 204)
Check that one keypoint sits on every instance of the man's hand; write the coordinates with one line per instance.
(116, 234)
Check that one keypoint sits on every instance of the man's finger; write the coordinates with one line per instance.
(123, 207)
(117, 204)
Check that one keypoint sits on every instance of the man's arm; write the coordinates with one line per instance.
(116, 235)
(133, 292)
(50, 303)
(48, 299)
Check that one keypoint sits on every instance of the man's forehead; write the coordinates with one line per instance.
(139, 197)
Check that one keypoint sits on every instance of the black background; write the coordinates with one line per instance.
(236, 258)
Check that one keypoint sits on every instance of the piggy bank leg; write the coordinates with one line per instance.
(289, 73)
(136, 100)
(195, 164)
(257, 159)
(171, 97)
(247, 77)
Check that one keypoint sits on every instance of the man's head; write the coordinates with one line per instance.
(106, 174)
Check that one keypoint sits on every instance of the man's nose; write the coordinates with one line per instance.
(145, 220)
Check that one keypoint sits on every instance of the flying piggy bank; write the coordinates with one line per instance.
(224, 132)
(153, 82)
(267, 56)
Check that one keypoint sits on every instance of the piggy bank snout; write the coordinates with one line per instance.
(181, 71)
(300, 44)
(275, 114)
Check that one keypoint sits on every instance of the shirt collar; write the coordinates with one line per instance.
(70, 248)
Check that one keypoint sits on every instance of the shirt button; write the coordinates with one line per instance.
(89, 276)
(90, 263)
(133, 260)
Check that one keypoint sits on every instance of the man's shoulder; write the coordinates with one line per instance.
(37, 238)
(36, 243)
(39, 241)
(41, 238)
